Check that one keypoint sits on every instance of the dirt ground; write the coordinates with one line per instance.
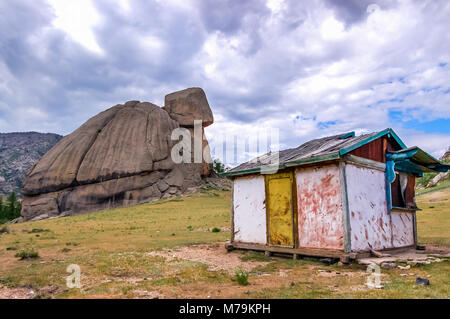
(213, 255)
(308, 276)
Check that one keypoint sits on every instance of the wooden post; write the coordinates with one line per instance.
(345, 209)
(232, 213)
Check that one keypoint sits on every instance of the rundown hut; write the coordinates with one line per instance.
(337, 196)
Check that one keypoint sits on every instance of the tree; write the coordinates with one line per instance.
(2, 211)
(218, 167)
(13, 207)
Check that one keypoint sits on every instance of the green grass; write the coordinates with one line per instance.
(445, 183)
(434, 219)
(113, 248)
(241, 277)
(27, 254)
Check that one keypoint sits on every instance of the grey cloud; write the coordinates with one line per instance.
(44, 69)
(229, 16)
(354, 11)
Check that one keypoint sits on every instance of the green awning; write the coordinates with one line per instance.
(415, 160)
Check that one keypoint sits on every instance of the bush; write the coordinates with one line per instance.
(10, 209)
(216, 230)
(425, 179)
(217, 166)
(38, 230)
(27, 254)
(242, 277)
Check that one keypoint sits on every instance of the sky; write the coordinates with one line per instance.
(307, 68)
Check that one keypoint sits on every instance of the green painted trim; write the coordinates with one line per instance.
(401, 155)
(348, 135)
(315, 159)
(385, 132)
(407, 166)
(345, 209)
(415, 230)
(390, 178)
(263, 169)
(243, 172)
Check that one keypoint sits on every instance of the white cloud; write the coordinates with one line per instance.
(78, 18)
(310, 69)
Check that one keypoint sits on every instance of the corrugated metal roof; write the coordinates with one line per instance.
(316, 150)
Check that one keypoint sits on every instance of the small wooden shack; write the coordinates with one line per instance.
(338, 196)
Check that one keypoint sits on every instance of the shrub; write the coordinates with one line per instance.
(242, 277)
(10, 209)
(65, 250)
(216, 230)
(38, 230)
(27, 254)
(217, 166)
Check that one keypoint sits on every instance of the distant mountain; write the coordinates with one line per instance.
(18, 152)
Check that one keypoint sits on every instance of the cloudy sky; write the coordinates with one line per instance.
(309, 68)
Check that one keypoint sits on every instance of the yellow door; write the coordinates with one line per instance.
(279, 192)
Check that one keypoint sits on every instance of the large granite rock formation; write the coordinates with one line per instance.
(119, 157)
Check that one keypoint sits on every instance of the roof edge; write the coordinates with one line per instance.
(270, 168)
(385, 132)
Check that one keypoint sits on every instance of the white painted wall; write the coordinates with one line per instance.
(402, 229)
(249, 202)
(320, 217)
(369, 218)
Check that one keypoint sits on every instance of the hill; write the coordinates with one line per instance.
(18, 153)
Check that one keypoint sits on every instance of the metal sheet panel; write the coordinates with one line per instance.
(250, 210)
(279, 192)
(320, 216)
(402, 229)
(369, 218)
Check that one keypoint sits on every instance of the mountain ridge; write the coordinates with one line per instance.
(19, 151)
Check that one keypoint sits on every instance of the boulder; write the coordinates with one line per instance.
(437, 179)
(119, 157)
(188, 105)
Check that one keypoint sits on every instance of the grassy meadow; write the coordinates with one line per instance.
(149, 251)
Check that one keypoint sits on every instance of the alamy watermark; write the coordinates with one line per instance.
(74, 279)
(374, 279)
(261, 148)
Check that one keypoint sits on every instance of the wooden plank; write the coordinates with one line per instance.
(286, 250)
(416, 242)
(345, 208)
(372, 151)
(363, 162)
(295, 209)
(232, 212)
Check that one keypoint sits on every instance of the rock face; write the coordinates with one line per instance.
(446, 156)
(18, 153)
(119, 157)
(437, 179)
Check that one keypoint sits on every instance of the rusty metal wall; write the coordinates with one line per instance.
(320, 217)
(402, 229)
(249, 202)
(369, 218)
